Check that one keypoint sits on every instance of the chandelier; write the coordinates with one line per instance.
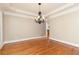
(39, 19)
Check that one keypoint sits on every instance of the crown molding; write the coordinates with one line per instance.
(59, 9)
(69, 10)
(20, 13)
(12, 10)
(17, 14)
(23, 12)
(55, 13)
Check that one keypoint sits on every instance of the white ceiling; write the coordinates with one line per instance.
(30, 7)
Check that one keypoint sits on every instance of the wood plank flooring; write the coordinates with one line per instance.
(39, 46)
(0, 51)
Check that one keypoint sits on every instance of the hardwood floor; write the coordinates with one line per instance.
(40, 46)
(0, 51)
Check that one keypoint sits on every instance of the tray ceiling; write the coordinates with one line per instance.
(31, 7)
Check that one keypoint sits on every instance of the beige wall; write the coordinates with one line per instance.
(16, 28)
(65, 27)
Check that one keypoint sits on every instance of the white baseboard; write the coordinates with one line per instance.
(69, 43)
(1, 45)
(22, 39)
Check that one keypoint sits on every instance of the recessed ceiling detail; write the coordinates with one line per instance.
(31, 7)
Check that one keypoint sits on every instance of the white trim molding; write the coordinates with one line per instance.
(1, 46)
(75, 8)
(17, 14)
(21, 11)
(69, 43)
(64, 10)
(12, 41)
(60, 9)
